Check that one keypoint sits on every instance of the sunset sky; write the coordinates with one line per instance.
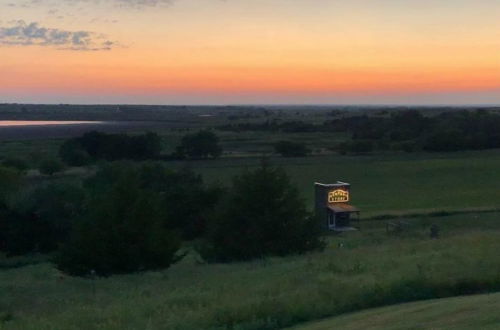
(250, 51)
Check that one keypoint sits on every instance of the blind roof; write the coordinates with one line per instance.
(342, 208)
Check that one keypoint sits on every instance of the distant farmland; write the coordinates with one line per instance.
(71, 130)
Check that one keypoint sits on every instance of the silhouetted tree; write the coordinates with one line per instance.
(204, 144)
(262, 215)
(96, 145)
(122, 232)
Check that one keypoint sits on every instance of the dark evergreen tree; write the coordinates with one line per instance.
(263, 215)
(122, 232)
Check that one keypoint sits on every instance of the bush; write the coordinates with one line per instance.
(50, 166)
(16, 163)
(291, 149)
(73, 154)
(122, 231)
(42, 219)
(201, 145)
(262, 215)
(10, 181)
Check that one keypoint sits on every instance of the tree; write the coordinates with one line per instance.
(50, 166)
(262, 215)
(204, 144)
(185, 199)
(122, 232)
(291, 149)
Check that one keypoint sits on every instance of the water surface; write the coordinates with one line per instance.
(10, 123)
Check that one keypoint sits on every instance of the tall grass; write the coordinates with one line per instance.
(370, 269)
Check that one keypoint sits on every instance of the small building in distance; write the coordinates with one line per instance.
(332, 206)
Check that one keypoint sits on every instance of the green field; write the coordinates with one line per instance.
(357, 271)
(461, 313)
(370, 269)
(386, 184)
(393, 183)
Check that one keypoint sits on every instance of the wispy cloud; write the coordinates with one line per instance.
(120, 3)
(21, 33)
(141, 3)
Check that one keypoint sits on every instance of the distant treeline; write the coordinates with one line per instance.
(403, 130)
(121, 112)
(95, 145)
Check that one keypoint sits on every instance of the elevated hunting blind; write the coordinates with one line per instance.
(332, 206)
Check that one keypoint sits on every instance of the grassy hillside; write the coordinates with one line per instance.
(459, 313)
(368, 269)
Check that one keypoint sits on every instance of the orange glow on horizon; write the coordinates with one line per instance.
(265, 47)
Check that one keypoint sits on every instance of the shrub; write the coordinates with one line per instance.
(73, 154)
(10, 181)
(50, 166)
(204, 144)
(16, 163)
(262, 215)
(291, 149)
(122, 231)
(42, 219)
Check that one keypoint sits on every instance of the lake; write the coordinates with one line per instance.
(11, 123)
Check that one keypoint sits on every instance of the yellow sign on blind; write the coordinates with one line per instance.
(338, 196)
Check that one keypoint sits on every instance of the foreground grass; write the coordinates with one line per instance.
(459, 313)
(357, 271)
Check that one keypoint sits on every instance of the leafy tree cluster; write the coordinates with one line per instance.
(201, 145)
(137, 216)
(131, 217)
(406, 130)
(126, 217)
(96, 145)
